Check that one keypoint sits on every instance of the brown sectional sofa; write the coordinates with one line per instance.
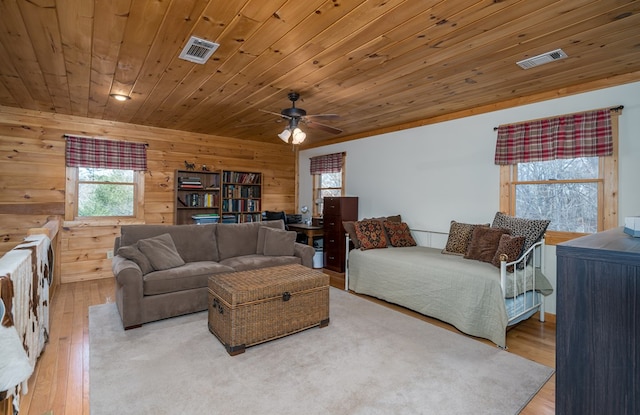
(160, 276)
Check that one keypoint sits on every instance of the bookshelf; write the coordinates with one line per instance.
(241, 196)
(197, 194)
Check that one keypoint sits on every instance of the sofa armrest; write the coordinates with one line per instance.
(128, 291)
(304, 252)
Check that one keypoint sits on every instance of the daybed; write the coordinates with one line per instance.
(162, 270)
(476, 296)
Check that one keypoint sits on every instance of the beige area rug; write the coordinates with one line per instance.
(369, 360)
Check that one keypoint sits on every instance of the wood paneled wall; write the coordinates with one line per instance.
(32, 179)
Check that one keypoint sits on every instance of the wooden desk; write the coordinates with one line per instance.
(308, 230)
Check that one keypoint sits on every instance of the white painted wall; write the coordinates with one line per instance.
(442, 172)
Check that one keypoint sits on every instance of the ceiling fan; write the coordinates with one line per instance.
(297, 116)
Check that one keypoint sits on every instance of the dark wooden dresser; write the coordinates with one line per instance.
(598, 325)
(337, 210)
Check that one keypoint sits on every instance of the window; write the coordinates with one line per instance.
(328, 178)
(325, 185)
(105, 180)
(578, 195)
(106, 192)
(96, 194)
(564, 191)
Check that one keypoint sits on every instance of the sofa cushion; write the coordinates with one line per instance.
(277, 242)
(161, 252)
(371, 234)
(511, 246)
(133, 253)
(399, 234)
(238, 239)
(255, 261)
(193, 242)
(459, 237)
(276, 224)
(189, 276)
(484, 243)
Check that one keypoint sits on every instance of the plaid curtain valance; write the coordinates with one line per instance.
(586, 134)
(105, 154)
(329, 163)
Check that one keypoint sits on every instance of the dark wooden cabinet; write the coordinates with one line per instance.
(337, 210)
(598, 325)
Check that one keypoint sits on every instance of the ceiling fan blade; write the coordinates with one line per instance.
(325, 116)
(323, 127)
(276, 113)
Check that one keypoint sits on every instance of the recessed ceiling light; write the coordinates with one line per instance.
(120, 97)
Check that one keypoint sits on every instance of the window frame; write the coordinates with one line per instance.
(317, 212)
(71, 202)
(607, 191)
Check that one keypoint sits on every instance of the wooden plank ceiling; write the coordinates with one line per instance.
(378, 64)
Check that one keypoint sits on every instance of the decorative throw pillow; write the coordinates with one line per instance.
(393, 218)
(350, 228)
(531, 229)
(133, 253)
(511, 246)
(459, 237)
(161, 252)
(277, 242)
(399, 234)
(484, 243)
(371, 234)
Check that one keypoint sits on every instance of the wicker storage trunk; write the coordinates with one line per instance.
(251, 307)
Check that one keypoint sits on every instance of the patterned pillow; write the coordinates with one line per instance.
(371, 234)
(350, 227)
(459, 237)
(511, 246)
(484, 243)
(531, 229)
(399, 234)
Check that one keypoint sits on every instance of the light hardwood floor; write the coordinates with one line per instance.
(61, 378)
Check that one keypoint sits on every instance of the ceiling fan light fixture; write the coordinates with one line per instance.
(298, 136)
(284, 135)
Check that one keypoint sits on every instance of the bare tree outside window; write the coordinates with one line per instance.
(564, 191)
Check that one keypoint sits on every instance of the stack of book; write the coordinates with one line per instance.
(190, 183)
(205, 218)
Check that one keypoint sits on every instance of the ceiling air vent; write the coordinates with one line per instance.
(554, 55)
(198, 50)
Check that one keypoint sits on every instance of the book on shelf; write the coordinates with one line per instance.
(241, 177)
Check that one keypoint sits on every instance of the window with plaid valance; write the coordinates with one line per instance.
(105, 154)
(585, 134)
(329, 163)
